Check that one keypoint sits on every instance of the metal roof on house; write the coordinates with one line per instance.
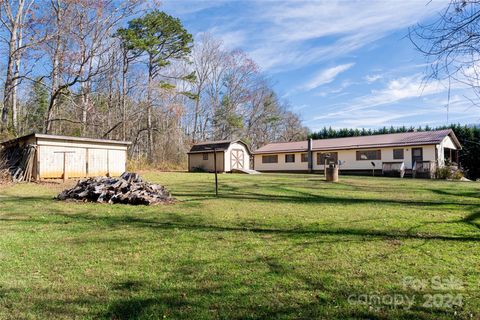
(364, 142)
(64, 138)
(221, 145)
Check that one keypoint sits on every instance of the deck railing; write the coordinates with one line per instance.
(393, 169)
(424, 169)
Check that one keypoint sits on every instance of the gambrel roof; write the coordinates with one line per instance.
(221, 145)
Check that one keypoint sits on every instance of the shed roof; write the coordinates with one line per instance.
(208, 146)
(364, 142)
(64, 138)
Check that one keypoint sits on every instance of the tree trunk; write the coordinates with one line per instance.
(53, 93)
(9, 94)
(55, 74)
(124, 95)
(150, 148)
(85, 106)
(195, 119)
(14, 95)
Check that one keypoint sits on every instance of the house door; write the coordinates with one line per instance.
(236, 159)
(417, 155)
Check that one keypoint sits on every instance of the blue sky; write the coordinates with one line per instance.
(338, 63)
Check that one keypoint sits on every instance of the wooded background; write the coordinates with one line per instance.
(122, 69)
(125, 70)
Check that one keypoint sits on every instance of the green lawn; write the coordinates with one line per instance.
(271, 246)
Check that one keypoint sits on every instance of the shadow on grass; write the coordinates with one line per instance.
(189, 222)
(223, 298)
(183, 222)
(473, 219)
(307, 198)
(292, 194)
(463, 194)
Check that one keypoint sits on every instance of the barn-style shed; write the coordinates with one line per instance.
(51, 156)
(231, 155)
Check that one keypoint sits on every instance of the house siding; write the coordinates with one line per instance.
(196, 161)
(85, 159)
(76, 156)
(447, 143)
(281, 165)
(349, 158)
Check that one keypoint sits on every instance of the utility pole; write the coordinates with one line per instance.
(215, 168)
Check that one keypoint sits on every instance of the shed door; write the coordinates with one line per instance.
(237, 159)
(116, 162)
(97, 162)
(103, 161)
(51, 159)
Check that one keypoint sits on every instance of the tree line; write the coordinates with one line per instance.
(123, 70)
(469, 137)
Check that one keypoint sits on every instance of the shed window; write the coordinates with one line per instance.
(205, 156)
(304, 157)
(398, 154)
(329, 156)
(270, 159)
(289, 158)
(369, 155)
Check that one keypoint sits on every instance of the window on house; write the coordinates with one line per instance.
(369, 155)
(270, 159)
(329, 156)
(205, 156)
(289, 158)
(304, 157)
(398, 154)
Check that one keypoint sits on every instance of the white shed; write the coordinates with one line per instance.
(77, 157)
(230, 155)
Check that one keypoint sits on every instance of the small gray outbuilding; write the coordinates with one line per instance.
(231, 154)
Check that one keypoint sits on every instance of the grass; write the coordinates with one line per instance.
(271, 246)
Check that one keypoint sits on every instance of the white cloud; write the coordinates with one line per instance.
(371, 78)
(185, 7)
(294, 30)
(296, 108)
(285, 35)
(326, 76)
(338, 91)
(397, 104)
(402, 88)
(233, 40)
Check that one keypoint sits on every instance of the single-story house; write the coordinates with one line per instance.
(77, 157)
(234, 154)
(410, 150)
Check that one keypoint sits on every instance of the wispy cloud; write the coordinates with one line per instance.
(284, 43)
(371, 78)
(304, 45)
(400, 89)
(325, 76)
(232, 39)
(390, 105)
(185, 7)
(286, 35)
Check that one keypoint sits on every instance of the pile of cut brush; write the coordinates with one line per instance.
(128, 189)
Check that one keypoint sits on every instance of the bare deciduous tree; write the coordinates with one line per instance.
(17, 20)
(451, 44)
(90, 77)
